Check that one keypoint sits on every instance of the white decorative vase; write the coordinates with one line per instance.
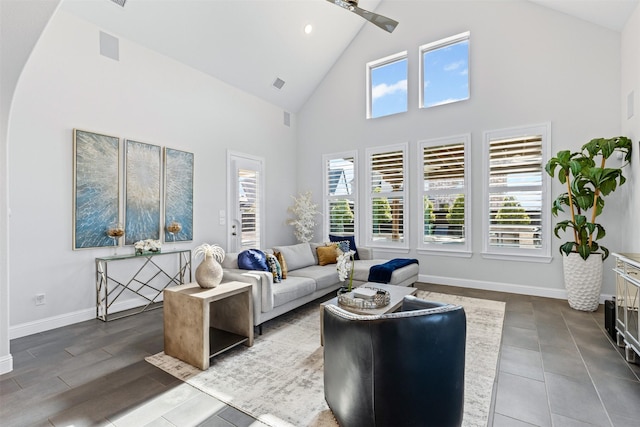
(209, 272)
(583, 280)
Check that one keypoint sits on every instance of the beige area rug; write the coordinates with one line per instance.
(279, 380)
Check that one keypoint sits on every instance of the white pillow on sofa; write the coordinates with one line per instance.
(296, 256)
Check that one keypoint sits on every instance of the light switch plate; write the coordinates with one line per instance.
(630, 105)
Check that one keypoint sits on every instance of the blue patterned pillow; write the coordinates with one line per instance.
(350, 239)
(253, 259)
(275, 268)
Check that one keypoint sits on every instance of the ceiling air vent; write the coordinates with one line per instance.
(119, 2)
(278, 83)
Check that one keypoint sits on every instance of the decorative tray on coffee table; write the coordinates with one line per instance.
(377, 299)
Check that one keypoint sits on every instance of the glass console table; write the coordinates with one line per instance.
(627, 271)
(148, 285)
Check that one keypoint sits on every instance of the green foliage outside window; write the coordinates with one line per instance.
(341, 215)
(512, 213)
(381, 211)
(456, 211)
(429, 217)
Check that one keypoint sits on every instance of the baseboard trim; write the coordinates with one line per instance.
(6, 364)
(500, 287)
(46, 324)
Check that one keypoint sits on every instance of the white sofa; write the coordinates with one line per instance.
(306, 279)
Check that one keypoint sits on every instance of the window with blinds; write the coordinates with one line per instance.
(387, 200)
(444, 193)
(249, 207)
(516, 209)
(340, 194)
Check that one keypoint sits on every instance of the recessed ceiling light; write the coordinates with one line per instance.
(308, 28)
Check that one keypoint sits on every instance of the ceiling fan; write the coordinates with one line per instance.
(383, 22)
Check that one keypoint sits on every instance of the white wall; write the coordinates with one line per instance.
(528, 65)
(144, 96)
(630, 46)
(21, 24)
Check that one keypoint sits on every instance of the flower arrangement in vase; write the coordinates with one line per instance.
(209, 271)
(147, 246)
(345, 268)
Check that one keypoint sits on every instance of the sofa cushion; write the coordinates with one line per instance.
(292, 289)
(296, 256)
(350, 239)
(327, 254)
(324, 276)
(253, 259)
(230, 260)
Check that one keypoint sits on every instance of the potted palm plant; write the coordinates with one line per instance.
(587, 183)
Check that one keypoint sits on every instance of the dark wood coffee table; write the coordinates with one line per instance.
(396, 293)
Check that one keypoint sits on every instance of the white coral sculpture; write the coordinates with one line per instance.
(206, 250)
(306, 211)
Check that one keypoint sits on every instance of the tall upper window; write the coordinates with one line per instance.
(386, 204)
(387, 86)
(340, 172)
(444, 71)
(444, 194)
(516, 214)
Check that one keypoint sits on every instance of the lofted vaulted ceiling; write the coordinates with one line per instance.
(251, 43)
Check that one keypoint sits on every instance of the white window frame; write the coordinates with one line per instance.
(230, 216)
(434, 46)
(459, 250)
(542, 254)
(368, 197)
(327, 198)
(379, 63)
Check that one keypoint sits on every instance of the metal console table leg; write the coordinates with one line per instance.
(108, 288)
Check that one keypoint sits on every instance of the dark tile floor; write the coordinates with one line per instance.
(557, 367)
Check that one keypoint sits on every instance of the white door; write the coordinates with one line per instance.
(246, 196)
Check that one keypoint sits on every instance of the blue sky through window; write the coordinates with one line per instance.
(446, 74)
(389, 88)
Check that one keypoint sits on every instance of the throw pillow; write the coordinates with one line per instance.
(327, 254)
(352, 243)
(253, 259)
(274, 267)
(283, 264)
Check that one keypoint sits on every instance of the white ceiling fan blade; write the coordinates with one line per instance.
(383, 22)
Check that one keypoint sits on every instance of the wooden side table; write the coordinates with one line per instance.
(202, 323)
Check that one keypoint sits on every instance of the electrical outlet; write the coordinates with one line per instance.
(40, 299)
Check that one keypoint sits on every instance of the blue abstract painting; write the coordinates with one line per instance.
(178, 188)
(96, 188)
(142, 201)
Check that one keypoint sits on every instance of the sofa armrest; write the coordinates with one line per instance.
(262, 282)
(365, 253)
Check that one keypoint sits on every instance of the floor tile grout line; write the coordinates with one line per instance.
(573, 339)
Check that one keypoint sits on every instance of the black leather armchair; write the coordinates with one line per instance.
(398, 369)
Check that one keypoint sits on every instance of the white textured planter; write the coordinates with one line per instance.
(583, 281)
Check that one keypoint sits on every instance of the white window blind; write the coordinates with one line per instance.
(340, 194)
(517, 205)
(444, 193)
(249, 207)
(387, 182)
